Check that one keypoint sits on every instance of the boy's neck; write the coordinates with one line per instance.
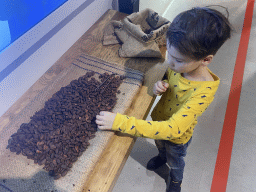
(199, 74)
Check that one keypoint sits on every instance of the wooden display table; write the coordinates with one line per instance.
(105, 174)
(112, 161)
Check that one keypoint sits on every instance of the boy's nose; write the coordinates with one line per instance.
(172, 64)
(170, 61)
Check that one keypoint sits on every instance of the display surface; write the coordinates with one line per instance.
(66, 90)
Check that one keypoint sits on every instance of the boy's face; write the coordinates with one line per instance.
(179, 63)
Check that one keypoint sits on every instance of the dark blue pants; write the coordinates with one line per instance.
(174, 154)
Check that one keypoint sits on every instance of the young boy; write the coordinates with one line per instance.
(187, 89)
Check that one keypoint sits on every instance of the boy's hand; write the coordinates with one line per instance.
(160, 87)
(105, 120)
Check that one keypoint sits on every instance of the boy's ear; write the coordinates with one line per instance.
(207, 60)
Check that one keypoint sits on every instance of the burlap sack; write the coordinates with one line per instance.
(139, 33)
(109, 37)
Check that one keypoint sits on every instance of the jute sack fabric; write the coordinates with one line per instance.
(109, 36)
(139, 32)
(21, 174)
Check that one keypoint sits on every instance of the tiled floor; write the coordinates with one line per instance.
(202, 153)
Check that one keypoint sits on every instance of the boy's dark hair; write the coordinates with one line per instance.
(198, 32)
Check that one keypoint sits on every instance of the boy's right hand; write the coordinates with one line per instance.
(160, 87)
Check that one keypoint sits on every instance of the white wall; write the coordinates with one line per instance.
(39, 61)
(170, 8)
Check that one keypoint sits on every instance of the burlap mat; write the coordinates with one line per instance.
(20, 174)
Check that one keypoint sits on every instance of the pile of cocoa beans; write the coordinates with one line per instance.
(60, 132)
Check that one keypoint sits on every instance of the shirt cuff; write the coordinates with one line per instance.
(119, 120)
(166, 81)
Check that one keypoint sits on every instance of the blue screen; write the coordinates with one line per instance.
(18, 16)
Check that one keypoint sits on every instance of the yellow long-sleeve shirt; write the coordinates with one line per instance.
(175, 115)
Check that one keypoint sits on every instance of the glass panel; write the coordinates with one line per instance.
(18, 16)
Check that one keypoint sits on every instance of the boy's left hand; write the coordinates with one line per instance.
(105, 120)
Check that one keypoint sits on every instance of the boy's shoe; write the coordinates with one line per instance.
(155, 163)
